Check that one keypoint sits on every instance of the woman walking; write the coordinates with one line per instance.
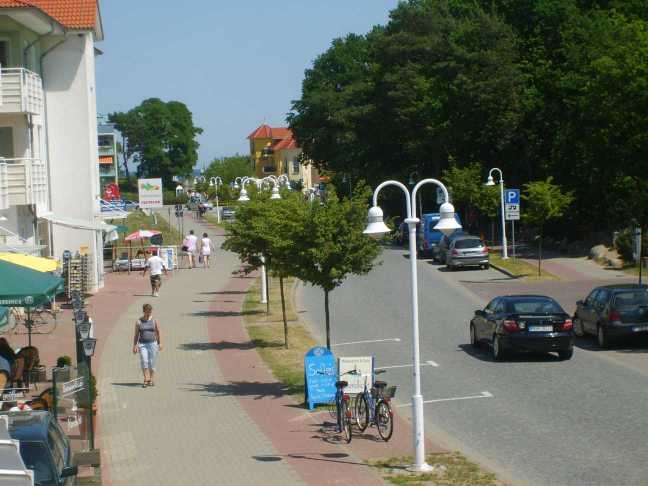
(148, 341)
(205, 249)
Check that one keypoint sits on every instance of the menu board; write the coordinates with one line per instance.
(320, 375)
(362, 367)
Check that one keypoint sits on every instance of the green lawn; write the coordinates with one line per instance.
(520, 268)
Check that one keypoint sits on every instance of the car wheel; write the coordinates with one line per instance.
(602, 338)
(579, 330)
(486, 266)
(498, 352)
(450, 267)
(473, 337)
(565, 354)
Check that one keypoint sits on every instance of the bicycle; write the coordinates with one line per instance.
(372, 407)
(40, 321)
(339, 409)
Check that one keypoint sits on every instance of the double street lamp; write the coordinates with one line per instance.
(215, 182)
(491, 182)
(447, 225)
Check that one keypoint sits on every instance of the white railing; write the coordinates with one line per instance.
(21, 91)
(25, 182)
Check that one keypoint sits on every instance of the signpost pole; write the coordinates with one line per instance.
(513, 236)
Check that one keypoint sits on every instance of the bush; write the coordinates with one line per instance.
(169, 197)
(62, 361)
(624, 244)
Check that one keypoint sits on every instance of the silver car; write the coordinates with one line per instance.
(466, 250)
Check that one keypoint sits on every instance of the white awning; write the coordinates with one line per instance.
(79, 223)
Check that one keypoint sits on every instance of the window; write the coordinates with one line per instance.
(4, 53)
(631, 298)
(492, 305)
(295, 166)
(6, 142)
(534, 306)
(463, 244)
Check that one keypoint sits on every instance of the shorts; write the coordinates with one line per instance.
(148, 355)
(156, 279)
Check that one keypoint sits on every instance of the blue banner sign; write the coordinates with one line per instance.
(320, 373)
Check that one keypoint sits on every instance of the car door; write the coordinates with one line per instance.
(486, 321)
(600, 308)
(586, 312)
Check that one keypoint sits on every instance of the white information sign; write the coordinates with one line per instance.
(512, 212)
(362, 365)
(73, 386)
(150, 193)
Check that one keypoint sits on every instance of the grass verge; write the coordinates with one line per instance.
(452, 469)
(520, 268)
(138, 220)
(267, 333)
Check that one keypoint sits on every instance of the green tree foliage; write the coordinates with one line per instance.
(469, 192)
(228, 168)
(160, 138)
(545, 88)
(333, 245)
(544, 201)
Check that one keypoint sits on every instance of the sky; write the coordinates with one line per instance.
(235, 64)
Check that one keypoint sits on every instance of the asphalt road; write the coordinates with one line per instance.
(533, 420)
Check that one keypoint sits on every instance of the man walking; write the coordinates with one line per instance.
(155, 265)
(190, 243)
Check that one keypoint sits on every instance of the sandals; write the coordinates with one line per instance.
(146, 383)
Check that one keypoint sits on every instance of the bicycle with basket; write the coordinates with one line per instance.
(373, 406)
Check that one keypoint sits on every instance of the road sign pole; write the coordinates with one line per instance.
(504, 249)
(513, 236)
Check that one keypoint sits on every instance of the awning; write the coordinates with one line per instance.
(35, 263)
(23, 287)
(78, 223)
(106, 159)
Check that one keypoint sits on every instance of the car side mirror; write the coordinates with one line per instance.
(579, 302)
(480, 313)
(69, 471)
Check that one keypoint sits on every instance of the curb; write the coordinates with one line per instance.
(504, 271)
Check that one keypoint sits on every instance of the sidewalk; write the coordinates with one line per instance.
(216, 415)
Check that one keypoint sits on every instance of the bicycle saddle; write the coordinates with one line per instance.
(380, 384)
(340, 384)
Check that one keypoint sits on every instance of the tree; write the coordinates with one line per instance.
(159, 137)
(332, 245)
(228, 168)
(544, 201)
(272, 229)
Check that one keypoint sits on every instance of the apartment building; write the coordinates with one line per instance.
(49, 176)
(274, 151)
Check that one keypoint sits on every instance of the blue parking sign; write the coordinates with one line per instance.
(512, 196)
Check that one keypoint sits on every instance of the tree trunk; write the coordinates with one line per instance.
(125, 159)
(267, 291)
(539, 253)
(283, 311)
(326, 313)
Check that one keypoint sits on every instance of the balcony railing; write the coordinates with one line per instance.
(23, 181)
(21, 91)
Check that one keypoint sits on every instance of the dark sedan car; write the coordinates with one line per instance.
(523, 323)
(613, 311)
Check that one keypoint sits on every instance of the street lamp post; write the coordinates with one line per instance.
(375, 227)
(215, 182)
(490, 182)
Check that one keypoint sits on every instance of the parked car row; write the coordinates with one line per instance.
(515, 323)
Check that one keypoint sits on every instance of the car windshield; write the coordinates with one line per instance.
(37, 458)
(533, 306)
(471, 243)
(631, 298)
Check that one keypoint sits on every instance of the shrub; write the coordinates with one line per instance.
(624, 244)
(170, 197)
(62, 361)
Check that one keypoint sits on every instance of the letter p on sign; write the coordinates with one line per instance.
(512, 196)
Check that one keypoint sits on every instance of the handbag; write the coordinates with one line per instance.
(185, 248)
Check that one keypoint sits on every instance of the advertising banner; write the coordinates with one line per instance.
(150, 193)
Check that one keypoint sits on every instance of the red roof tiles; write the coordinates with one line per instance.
(72, 14)
(286, 143)
(266, 131)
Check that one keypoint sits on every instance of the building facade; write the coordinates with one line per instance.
(49, 176)
(275, 152)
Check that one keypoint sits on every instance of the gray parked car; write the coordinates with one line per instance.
(466, 250)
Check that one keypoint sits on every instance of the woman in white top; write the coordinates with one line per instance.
(205, 249)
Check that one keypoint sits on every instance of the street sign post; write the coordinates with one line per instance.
(512, 211)
(637, 248)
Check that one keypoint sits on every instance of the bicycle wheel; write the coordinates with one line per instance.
(346, 421)
(332, 409)
(384, 420)
(361, 412)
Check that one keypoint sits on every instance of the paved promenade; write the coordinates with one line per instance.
(176, 432)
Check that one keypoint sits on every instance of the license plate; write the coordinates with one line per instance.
(540, 328)
(640, 328)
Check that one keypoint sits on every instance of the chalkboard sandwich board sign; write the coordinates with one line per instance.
(320, 375)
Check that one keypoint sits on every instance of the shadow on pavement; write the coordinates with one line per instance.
(331, 457)
(130, 385)
(223, 313)
(222, 345)
(483, 354)
(224, 292)
(619, 346)
(255, 389)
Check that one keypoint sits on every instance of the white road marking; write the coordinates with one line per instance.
(427, 363)
(368, 341)
(484, 394)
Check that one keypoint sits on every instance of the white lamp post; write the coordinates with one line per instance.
(215, 182)
(490, 182)
(376, 227)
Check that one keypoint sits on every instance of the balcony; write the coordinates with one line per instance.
(21, 91)
(23, 181)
